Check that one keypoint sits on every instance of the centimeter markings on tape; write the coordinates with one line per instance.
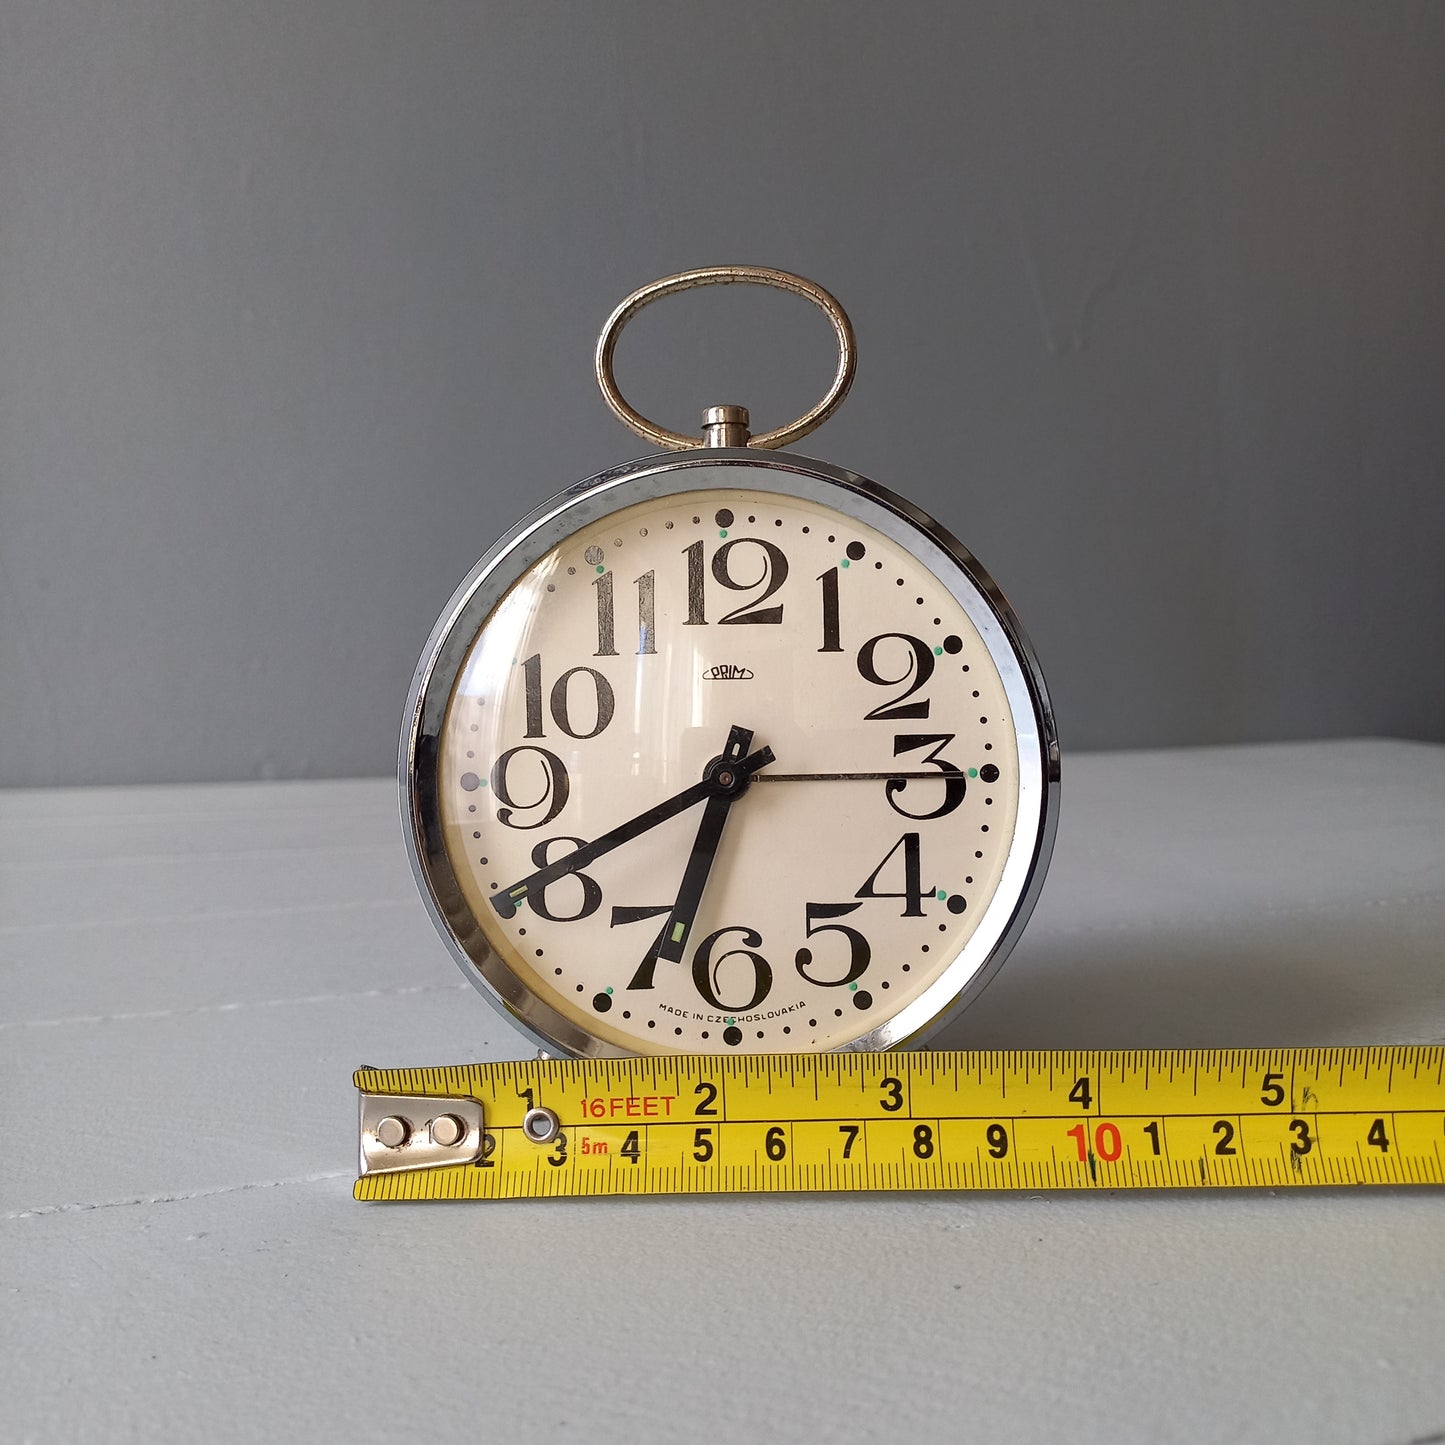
(933, 1121)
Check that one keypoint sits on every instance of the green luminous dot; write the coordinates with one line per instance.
(599, 566)
(730, 1022)
(973, 772)
(844, 562)
(723, 533)
(609, 990)
(938, 652)
(941, 895)
(852, 988)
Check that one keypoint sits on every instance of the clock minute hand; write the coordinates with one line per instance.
(507, 900)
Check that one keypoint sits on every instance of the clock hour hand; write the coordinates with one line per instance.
(726, 775)
(678, 928)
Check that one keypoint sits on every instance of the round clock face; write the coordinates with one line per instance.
(720, 755)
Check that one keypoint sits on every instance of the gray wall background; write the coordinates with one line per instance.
(297, 303)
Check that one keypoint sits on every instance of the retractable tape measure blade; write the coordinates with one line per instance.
(933, 1121)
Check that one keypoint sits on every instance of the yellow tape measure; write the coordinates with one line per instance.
(1025, 1120)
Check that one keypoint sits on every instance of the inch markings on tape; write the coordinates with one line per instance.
(1102, 1119)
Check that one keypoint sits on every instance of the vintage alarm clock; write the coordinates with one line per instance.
(728, 750)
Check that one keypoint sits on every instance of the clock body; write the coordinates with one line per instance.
(657, 620)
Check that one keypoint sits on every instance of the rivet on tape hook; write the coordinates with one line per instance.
(418, 1131)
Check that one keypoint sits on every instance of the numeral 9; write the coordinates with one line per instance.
(555, 787)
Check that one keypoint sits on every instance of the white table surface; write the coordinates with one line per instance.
(191, 973)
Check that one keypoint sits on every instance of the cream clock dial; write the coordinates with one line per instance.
(729, 751)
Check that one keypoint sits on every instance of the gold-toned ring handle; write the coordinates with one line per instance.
(727, 276)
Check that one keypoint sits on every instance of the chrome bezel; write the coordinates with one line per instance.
(742, 470)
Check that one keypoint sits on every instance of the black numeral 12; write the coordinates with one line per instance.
(774, 574)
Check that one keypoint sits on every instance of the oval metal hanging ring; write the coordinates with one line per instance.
(727, 276)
